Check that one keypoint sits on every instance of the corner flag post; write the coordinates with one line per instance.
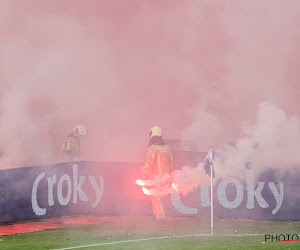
(211, 200)
(209, 169)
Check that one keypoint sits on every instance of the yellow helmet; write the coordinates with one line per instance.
(79, 130)
(155, 131)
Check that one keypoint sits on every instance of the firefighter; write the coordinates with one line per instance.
(158, 162)
(71, 147)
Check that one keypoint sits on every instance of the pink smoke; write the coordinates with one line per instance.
(196, 68)
(183, 181)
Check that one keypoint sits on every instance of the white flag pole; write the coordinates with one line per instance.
(211, 200)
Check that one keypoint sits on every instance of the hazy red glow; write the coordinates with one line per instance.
(198, 69)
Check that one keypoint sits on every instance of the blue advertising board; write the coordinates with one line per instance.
(106, 188)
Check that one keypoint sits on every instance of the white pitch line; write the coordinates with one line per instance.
(157, 238)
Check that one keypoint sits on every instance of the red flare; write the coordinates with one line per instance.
(175, 186)
(146, 191)
(140, 182)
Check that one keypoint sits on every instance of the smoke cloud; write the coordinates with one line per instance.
(198, 69)
(271, 142)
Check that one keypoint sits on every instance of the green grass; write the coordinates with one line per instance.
(174, 235)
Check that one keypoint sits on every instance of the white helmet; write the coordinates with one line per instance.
(79, 130)
(155, 131)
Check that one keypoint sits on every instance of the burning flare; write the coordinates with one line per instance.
(140, 182)
(175, 186)
(146, 191)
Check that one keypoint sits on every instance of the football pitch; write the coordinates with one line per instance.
(143, 233)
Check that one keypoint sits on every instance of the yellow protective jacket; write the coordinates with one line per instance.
(69, 150)
(158, 162)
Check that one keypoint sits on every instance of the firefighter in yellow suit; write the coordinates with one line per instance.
(71, 147)
(158, 162)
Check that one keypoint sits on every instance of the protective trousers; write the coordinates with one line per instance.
(158, 208)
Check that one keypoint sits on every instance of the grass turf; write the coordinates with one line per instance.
(142, 233)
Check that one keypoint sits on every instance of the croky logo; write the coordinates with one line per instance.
(77, 190)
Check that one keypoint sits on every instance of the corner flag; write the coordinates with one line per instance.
(208, 161)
